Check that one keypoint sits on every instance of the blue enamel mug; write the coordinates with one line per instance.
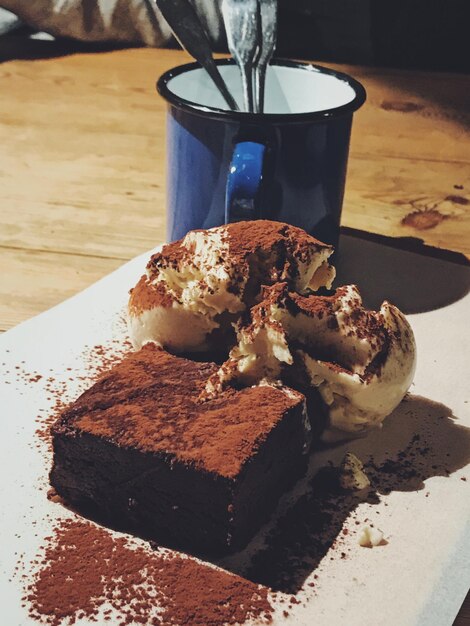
(286, 164)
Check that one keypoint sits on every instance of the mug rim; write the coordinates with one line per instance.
(244, 116)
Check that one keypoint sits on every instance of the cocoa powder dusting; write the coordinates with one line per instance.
(97, 360)
(146, 296)
(246, 238)
(86, 572)
(255, 253)
(150, 401)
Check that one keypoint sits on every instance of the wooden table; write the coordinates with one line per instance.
(82, 185)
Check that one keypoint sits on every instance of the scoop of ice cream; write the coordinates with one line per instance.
(197, 287)
(362, 362)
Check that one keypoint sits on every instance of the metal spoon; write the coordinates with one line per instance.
(241, 19)
(189, 31)
(267, 43)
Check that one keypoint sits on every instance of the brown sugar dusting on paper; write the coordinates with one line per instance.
(100, 358)
(85, 572)
(97, 360)
(56, 391)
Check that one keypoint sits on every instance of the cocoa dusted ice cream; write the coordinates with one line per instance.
(259, 280)
(196, 288)
(361, 362)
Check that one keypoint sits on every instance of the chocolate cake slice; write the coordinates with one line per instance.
(141, 451)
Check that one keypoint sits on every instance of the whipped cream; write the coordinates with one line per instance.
(195, 289)
(361, 362)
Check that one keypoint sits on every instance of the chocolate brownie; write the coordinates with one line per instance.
(144, 453)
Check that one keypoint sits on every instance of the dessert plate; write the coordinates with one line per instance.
(419, 462)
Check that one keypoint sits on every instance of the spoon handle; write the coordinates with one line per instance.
(212, 70)
(189, 31)
(247, 86)
(241, 21)
(259, 83)
(268, 27)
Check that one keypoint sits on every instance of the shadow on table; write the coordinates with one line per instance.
(420, 440)
(414, 277)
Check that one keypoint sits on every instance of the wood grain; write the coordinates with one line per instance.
(90, 146)
(403, 197)
(43, 277)
(82, 177)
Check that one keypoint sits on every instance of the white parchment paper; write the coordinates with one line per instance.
(420, 577)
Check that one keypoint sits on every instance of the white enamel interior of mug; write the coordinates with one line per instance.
(304, 89)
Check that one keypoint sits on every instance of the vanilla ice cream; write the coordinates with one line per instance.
(195, 289)
(362, 362)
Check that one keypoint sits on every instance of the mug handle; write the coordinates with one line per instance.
(244, 182)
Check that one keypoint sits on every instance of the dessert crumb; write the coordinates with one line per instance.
(53, 496)
(370, 537)
(352, 475)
